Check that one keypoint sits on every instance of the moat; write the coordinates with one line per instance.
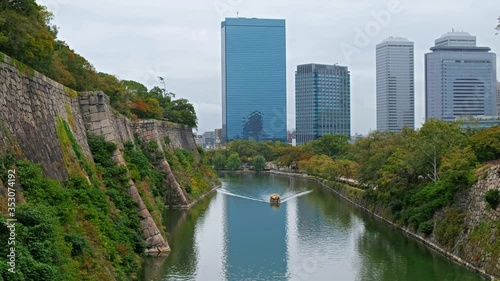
(235, 234)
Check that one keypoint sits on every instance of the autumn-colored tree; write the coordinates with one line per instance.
(25, 33)
(486, 144)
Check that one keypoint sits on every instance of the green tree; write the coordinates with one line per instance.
(233, 162)
(320, 165)
(25, 33)
(331, 145)
(219, 161)
(259, 163)
(458, 165)
(135, 87)
(486, 144)
(292, 155)
(434, 140)
(373, 152)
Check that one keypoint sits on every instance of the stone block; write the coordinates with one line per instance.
(92, 109)
(105, 123)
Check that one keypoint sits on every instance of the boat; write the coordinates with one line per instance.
(275, 198)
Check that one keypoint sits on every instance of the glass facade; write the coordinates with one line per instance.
(322, 101)
(459, 80)
(395, 85)
(253, 79)
(498, 98)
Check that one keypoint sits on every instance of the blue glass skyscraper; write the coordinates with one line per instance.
(253, 79)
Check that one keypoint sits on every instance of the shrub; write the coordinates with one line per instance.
(426, 227)
(153, 146)
(396, 206)
(492, 196)
(449, 227)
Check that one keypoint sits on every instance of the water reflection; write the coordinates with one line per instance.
(236, 235)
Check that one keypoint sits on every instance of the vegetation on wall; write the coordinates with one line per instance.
(26, 34)
(83, 229)
(192, 171)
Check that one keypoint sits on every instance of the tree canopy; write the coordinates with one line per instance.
(26, 34)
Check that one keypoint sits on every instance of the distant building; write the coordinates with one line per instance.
(199, 140)
(218, 136)
(478, 122)
(460, 78)
(253, 79)
(209, 139)
(322, 101)
(290, 135)
(395, 85)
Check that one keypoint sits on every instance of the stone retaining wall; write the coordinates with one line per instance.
(476, 211)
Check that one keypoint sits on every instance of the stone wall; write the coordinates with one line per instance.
(469, 250)
(30, 105)
(482, 225)
(100, 121)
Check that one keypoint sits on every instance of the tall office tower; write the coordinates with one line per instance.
(498, 98)
(322, 101)
(253, 79)
(395, 85)
(460, 78)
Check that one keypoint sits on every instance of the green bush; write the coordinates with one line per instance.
(492, 196)
(153, 146)
(426, 227)
(448, 229)
(396, 206)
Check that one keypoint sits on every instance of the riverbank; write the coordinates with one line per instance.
(355, 200)
(190, 205)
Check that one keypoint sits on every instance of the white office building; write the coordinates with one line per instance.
(498, 98)
(395, 85)
(460, 78)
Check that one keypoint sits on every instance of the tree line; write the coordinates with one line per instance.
(412, 173)
(26, 34)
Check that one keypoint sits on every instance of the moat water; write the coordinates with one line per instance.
(235, 234)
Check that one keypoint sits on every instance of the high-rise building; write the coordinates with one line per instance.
(460, 78)
(322, 101)
(498, 98)
(395, 85)
(253, 79)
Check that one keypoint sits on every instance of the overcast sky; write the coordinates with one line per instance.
(180, 41)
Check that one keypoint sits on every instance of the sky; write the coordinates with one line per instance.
(180, 40)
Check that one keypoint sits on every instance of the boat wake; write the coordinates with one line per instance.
(223, 191)
(290, 197)
(265, 198)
